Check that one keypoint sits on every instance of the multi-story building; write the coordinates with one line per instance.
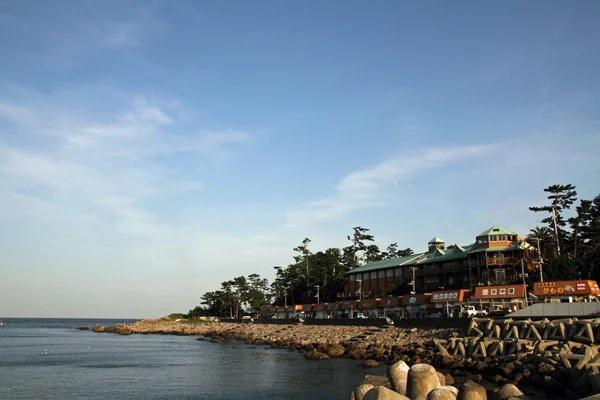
(493, 259)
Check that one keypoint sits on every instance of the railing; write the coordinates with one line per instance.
(500, 261)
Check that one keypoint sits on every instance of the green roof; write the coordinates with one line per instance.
(392, 262)
(496, 230)
(435, 240)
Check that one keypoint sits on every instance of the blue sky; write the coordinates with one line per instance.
(151, 150)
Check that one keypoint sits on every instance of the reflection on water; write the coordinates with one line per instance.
(48, 359)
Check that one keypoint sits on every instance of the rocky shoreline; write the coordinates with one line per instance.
(483, 355)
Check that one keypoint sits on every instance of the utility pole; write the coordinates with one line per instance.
(414, 281)
(523, 274)
(555, 229)
(541, 261)
(317, 286)
(359, 288)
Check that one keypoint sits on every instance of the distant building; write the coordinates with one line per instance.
(493, 259)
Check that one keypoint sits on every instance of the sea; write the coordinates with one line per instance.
(50, 359)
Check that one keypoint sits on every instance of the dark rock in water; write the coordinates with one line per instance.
(370, 363)
(316, 356)
(83, 328)
(202, 339)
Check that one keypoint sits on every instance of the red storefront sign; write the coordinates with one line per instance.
(499, 292)
(566, 288)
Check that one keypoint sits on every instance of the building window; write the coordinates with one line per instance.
(389, 273)
(352, 278)
(373, 275)
(511, 290)
(450, 280)
(492, 239)
(502, 238)
(398, 272)
(500, 274)
(432, 279)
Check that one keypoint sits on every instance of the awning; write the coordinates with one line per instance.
(321, 307)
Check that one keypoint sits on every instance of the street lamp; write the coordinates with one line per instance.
(317, 286)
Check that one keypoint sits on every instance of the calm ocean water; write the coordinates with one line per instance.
(49, 359)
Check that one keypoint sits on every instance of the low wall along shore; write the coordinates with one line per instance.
(545, 359)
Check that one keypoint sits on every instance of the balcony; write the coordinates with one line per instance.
(492, 261)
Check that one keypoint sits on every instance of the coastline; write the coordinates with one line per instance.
(381, 344)
(489, 353)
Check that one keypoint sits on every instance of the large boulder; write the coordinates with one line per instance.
(335, 350)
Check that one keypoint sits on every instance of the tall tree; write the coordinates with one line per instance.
(358, 239)
(304, 253)
(372, 253)
(561, 198)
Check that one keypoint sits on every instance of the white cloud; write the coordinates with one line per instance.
(104, 168)
(366, 188)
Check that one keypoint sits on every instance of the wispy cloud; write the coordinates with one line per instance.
(108, 168)
(367, 188)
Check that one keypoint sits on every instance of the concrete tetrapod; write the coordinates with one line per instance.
(383, 393)
(359, 392)
(398, 375)
(470, 390)
(443, 393)
(422, 379)
(509, 391)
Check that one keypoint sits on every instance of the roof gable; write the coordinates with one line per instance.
(436, 240)
(496, 230)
